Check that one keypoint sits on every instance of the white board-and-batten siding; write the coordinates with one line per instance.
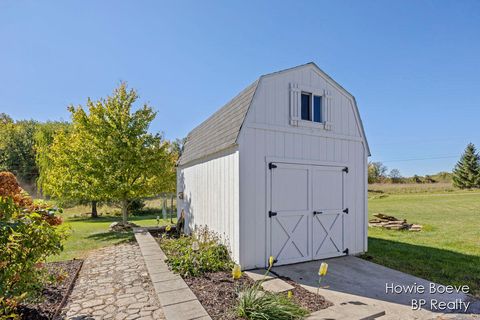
(229, 191)
(268, 135)
(211, 196)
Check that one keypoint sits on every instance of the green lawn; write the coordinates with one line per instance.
(446, 251)
(88, 234)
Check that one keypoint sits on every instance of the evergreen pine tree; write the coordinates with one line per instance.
(466, 173)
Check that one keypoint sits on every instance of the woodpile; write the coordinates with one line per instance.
(390, 222)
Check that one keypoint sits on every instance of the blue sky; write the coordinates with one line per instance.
(413, 66)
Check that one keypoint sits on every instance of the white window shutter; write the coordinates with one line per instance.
(327, 109)
(294, 104)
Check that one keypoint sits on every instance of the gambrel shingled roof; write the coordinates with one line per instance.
(220, 131)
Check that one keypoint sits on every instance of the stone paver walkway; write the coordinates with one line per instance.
(114, 284)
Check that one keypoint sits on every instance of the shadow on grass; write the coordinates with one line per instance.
(111, 218)
(437, 265)
(118, 237)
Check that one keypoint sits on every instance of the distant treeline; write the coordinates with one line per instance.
(379, 173)
(465, 174)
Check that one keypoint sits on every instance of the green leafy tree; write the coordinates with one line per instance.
(44, 138)
(178, 146)
(109, 154)
(66, 170)
(54, 170)
(376, 172)
(17, 148)
(466, 173)
(5, 118)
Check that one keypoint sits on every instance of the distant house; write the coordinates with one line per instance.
(280, 170)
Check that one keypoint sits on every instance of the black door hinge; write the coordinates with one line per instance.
(345, 211)
(345, 169)
(271, 214)
(346, 251)
(271, 166)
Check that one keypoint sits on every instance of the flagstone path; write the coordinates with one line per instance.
(114, 284)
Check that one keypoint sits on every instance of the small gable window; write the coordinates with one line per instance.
(311, 106)
(306, 106)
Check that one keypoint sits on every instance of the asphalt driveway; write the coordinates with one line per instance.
(351, 280)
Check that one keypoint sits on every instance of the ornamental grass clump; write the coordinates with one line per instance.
(255, 304)
(195, 255)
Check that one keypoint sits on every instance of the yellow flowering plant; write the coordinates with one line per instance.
(322, 272)
(271, 261)
(236, 272)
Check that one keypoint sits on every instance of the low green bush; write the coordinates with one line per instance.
(194, 255)
(256, 304)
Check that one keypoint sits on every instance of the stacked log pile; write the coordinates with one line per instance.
(390, 222)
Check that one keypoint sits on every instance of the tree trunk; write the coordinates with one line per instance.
(124, 211)
(94, 209)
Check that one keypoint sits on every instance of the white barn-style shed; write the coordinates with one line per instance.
(280, 170)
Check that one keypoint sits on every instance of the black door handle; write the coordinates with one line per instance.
(317, 212)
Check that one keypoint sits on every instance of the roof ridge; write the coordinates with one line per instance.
(221, 128)
(222, 107)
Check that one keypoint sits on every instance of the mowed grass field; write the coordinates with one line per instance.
(87, 234)
(447, 250)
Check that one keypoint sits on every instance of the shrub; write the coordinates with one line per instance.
(29, 233)
(135, 205)
(255, 304)
(194, 255)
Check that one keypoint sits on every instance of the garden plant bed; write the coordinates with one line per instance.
(309, 300)
(54, 295)
(217, 293)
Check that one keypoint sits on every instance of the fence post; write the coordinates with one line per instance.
(171, 207)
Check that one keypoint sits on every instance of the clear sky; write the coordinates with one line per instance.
(414, 66)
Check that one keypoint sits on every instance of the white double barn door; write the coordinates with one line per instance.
(306, 212)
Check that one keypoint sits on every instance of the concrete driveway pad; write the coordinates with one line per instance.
(353, 281)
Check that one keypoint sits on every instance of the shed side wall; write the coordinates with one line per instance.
(211, 189)
(268, 134)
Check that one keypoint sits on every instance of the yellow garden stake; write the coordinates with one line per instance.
(322, 272)
(236, 272)
(289, 294)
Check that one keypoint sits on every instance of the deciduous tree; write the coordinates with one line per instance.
(395, 176)
(17, 152)
(376, 172)
(109, 153)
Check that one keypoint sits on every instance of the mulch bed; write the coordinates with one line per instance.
(217, 293)
(309, 300)
(54, 295)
